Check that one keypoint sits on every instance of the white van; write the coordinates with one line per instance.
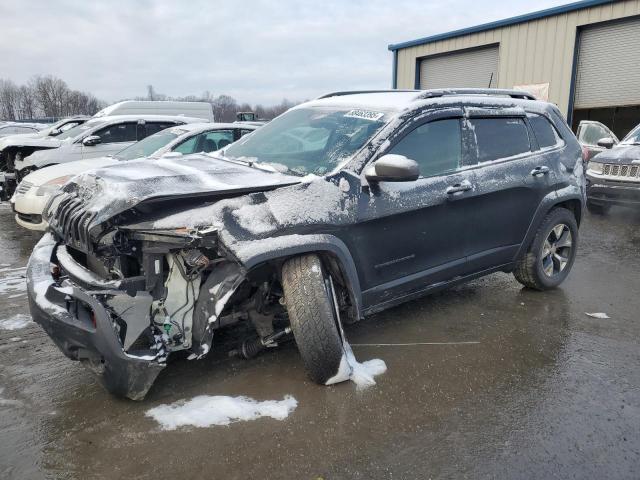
(147, 107)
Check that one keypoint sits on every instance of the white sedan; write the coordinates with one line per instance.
(35, 190)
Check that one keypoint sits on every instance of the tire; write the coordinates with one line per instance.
(532, 270)
(598, 209)
(311, 314)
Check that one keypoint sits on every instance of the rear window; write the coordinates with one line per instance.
(498, 138)
(544, 131)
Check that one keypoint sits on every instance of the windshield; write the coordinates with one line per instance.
(309, 140)
(79, 130)
(633, 137)
(149, 145)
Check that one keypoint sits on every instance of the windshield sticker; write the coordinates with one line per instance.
(364, 114)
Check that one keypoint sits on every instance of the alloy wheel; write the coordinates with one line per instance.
(556, 250)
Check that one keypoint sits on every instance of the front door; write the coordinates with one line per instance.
(113, 138)
(410, 235)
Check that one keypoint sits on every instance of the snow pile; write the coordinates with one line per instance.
(601, 315)
(16, 322)
(362, 374)
(206, 410)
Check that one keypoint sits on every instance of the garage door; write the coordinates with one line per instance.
(608, 65)
(472, 68)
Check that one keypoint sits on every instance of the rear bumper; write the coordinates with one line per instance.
(77, 336)
(606, 192)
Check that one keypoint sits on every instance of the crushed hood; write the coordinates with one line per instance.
(620, 154)
(145, 184)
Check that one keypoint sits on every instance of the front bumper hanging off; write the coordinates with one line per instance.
(90, 338)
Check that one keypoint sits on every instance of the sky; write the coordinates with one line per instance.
(256, 51)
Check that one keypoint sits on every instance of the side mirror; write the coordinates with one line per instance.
(55, 132)
(393, 168)
(91, 140)
(606, 142)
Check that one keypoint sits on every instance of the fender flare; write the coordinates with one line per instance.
(550, 201)
(256, 252)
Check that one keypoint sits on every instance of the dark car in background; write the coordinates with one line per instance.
(613, 176)
(339, 208)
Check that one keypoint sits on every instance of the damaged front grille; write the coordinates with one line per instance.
(71, 222)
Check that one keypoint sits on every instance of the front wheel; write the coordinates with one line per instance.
(551, 254)
(312, 316)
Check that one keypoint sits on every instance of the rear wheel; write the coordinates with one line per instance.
(311, 312)
(597, 208)
(551, 254)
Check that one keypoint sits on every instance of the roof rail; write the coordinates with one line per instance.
(356, 92)
(496, 92)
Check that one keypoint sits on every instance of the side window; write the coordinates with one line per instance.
(500, 138)
(212, 141)
(120, 132)
(436, 146)
(544, 131)
(590, 133)
(155, 127)
(188, 146)
(244, 132)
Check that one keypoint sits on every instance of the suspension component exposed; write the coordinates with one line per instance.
(252, 347)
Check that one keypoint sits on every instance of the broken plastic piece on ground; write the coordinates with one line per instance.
(206, 410)
(597, 315)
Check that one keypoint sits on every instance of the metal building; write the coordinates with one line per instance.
(584, 57)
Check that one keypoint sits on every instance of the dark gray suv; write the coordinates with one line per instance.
(341, 207)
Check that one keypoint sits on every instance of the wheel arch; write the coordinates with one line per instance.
(331, 250)
(573, 201)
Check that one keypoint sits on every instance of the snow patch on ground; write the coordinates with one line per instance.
(12, 281)
(16, 322)
(597, 315)
(205, 410)
(362, 374)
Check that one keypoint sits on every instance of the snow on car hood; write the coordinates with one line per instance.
(29, 140)
(114, 189)
(44, 175)
(621, 153)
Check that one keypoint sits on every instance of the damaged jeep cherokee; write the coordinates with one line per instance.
(339, 208)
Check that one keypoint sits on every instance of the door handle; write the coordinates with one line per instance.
(540, 171)
(463, 186)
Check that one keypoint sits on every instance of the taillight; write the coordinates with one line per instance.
(585, 154)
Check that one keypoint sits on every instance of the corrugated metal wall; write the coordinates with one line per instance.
(469, 68)
(539, 51)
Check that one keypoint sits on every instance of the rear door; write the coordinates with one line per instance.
(511, 176)
(412, 234)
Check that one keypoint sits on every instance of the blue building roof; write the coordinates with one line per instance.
(502, 23)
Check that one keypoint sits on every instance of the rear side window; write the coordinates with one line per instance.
(436, 146)
(498, 138)
(155, 127)
(121, 132)
(545, 133)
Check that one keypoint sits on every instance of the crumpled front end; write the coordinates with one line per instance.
(122, 312)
